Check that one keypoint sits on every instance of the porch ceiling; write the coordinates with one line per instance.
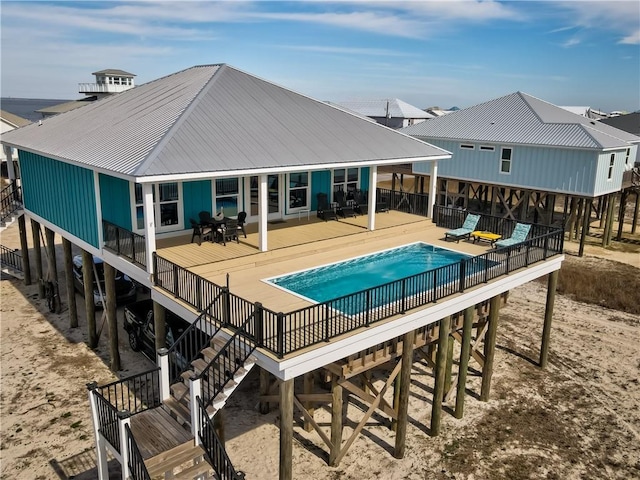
(300, 244)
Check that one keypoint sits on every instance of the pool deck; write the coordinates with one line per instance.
(300, 244)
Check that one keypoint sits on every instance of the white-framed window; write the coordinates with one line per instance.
(505, 160)
(612, 161)
(346, 179)
(487, 148)
(298, 185)
(467, 146)
(627, 156)
(167, 204)
(226, 194)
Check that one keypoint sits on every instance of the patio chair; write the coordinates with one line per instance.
(519, 235)
(362, 201)
(230, 232)
(324, 211)
(242, 218)
(344, 207)
(205, 217)
(468, 226)
(203, 232)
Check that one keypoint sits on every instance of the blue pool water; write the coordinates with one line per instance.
(350, 276)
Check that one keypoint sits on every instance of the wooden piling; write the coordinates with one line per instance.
(636, 208)
(448, 374)
(552, 283)
(308, 382)
(441, 361)
(71, 291)
(336, 421)
(53, 268)
(37, 252)
(465, 352)
(112, 321)
(263, 407)
(160, 325)
(24, 247)
(621, 212)
(89, 303)
(286, 430)
(490, 347)
(585, 226)
(408, 343)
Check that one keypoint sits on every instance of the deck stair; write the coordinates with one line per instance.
(179, 404)
(11, 218)
(10, 205)
(186, 461)
(11, 262)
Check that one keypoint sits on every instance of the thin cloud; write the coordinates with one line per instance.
(346, 50)
(572, 42)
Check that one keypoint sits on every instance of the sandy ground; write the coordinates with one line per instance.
(578, 419)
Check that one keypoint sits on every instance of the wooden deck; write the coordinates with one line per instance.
(300, 244)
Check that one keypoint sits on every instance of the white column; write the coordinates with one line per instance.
(263, 212)
(124, 418)
(195, 391)
(101, 447)
(163, 363)
(149, 223)
(373, 183)
(10, 170)
(433, 187)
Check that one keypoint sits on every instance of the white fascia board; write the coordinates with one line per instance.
(170, 304)
(374, 335)
(128, 268)
(276, 170)
(63, 233)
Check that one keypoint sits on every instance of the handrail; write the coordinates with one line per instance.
(10, 200)
(226, 363)
(135, 393)
(416, 203)
(10, 258)
(214, 449)
(107, 415)
(125, 243)
(188, 346)
(137, 468)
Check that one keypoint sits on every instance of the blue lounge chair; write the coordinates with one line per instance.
(468, 226)
(518, 235)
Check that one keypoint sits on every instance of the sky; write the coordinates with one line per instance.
(426, 53)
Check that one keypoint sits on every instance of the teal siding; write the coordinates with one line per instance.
(540, 168)
(364, 178)
(61, 193)
(320, 183)
(197, 197)
(115, 200)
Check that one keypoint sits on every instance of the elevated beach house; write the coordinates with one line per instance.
(516, 155)
(210, 186)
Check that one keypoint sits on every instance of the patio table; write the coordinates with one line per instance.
(481, 235)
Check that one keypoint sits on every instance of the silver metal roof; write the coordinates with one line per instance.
(378, 108)
(212, 119)
(519, 118)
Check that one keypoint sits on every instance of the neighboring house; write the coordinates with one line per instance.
(121, 179)
(586, 112)
(391, 112)
(517, 153)
(108, 82)
(8, 122)
(629, 122)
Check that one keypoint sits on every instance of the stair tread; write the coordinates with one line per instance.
(197, 469)
(179, 409)
(173, 458)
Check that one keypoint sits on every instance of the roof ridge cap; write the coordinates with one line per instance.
(153, 154)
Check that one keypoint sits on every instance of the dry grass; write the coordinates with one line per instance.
(606, 283)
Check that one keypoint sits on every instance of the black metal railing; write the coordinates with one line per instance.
(193, 340)
(10, 200)
(135, 394)
(107, 416)
(226, 363)
(125, 243)
(137, 468)
(10, 258)
(214, 449)
(416, 203)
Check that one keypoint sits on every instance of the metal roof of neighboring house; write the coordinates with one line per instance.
(13, 120)
(629, 122)
(66, 106)
(396, 108)
(519, 118)
(114, 72)
(215, 119)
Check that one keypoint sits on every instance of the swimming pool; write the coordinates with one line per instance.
(347, 277)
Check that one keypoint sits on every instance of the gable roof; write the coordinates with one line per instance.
(114, 72)
(214, 119)
(378, 108)
(13, 120)
(519, 118)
